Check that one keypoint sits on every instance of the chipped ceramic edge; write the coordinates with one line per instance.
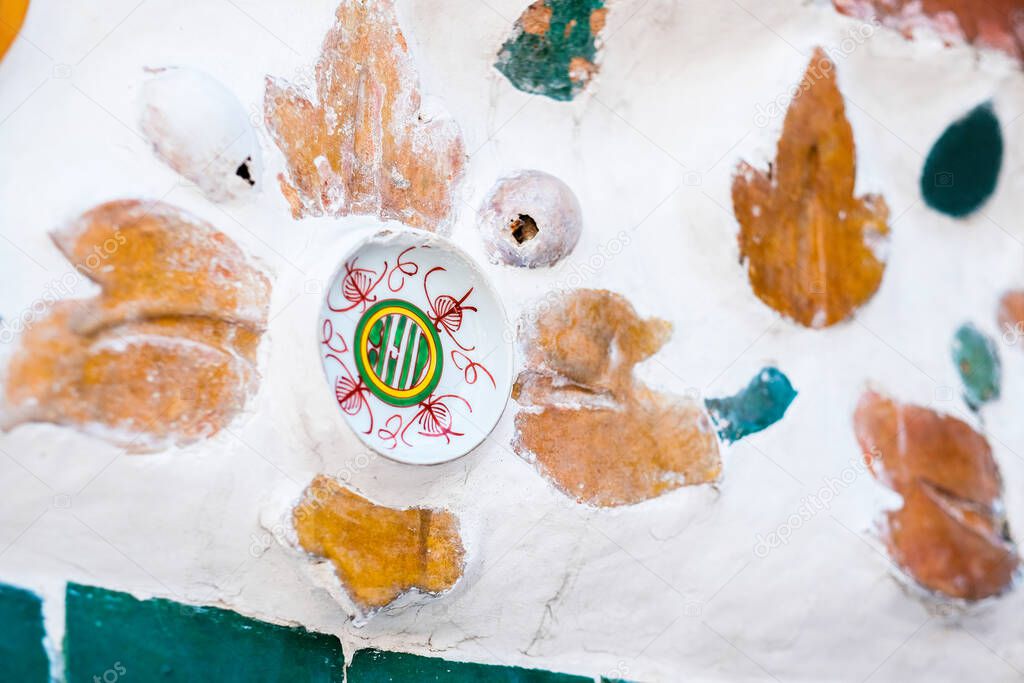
(140, 443)
(384, 236)
(277, 518)
(70, 230)
(935, 602)
(887, 500)
(525, 329)
(211, 156)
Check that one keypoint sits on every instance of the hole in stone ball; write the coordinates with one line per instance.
(524, 228)
(243, 172)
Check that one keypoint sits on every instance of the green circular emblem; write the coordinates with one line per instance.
(398, 352)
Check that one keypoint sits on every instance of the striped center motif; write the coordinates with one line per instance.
(398, 352)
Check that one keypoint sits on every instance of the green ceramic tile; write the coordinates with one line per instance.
(977, 360)
(758, 406)
(540, 64)
(962, 168)
(375, 666)
(111, 635)
(22, 654)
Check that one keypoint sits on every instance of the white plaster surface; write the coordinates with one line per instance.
(676, 588)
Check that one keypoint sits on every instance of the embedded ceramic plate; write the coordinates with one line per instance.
(415, 346)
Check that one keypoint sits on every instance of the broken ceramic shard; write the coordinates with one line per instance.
(530, 219)
(977, 360)
(985, 23)
(361, 144)
(962, 168)
(756, 407)
(553, 48)
(1011, 316)
(813, 250)
(950, 534)
(587, 424)
(166, 353)
(378, 553)
(12, 16)
(154, 260)
(199, 128)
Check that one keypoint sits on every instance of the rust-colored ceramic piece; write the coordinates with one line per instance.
(1011, 315)
(600, 435)
(165, 353)
(154, 260)
(379, 553)
(986, 23)
(950, 534)
(810, 245)
(360, 144)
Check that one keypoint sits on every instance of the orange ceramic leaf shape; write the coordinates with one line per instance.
(950, 534)
(126, 382)
(152, 259)
(587, 424)
(378, 553)
(812, 248)
(165, 353)
(360, 144)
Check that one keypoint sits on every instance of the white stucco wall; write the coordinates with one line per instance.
(671, 589)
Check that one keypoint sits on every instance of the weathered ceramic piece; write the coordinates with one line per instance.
(950, 534)
(530, 219)
(359, 142)
(199, 128)
(598, 433)
(382, 556)
(983, 23)
(165, 354)
(815, 251)
(415, 346)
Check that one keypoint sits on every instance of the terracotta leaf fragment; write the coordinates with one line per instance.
(985, 23)
(950, 535)
(553, 48)
(165, 353)
(360, 144)
(378, 553)
(811, 247)
(599, 434)
(152, 260)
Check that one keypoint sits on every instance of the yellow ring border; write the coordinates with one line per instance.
(372, 376)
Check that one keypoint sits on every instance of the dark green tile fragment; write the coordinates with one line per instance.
(540, 63)
(962, 168)
(758, 406)
(977, 360)
(376, 666)
(162, 640)
(22, 653)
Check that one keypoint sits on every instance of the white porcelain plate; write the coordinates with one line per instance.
(416, 347)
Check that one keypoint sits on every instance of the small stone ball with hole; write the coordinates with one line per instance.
(530, 219)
